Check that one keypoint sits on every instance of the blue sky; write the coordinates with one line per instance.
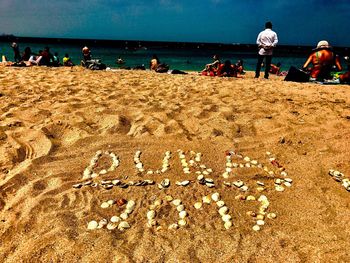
(297, 22)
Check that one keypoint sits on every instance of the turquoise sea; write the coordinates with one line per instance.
(186, 58)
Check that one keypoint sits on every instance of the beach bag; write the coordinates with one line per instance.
(297, 75)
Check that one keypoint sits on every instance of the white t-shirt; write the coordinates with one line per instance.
(266, 41)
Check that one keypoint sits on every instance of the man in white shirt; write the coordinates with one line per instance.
(266, 41)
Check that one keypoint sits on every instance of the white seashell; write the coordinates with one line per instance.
(226, 218)
(279, 188)
(111, 226)
(104, 171)
(260, 217)
(102, 223)
(130, 205)
(198, 205)
(152, 222)
(289, 180)
(173, 226)
(223, 210)
(180, 208)
(256, 228)
(260, 222)
(228, 224)
(182, 222)
(254, 162)
(94, 175)
(246, 159)
(200, 177)
(288, 184)
(271, 215)
(124, 216)
(139, 165)
(247, 165)
(176, 202)
(238, 184)
(250, 198)
(168, 198)
(184, 183)
(128, 211)
(283, 173)
(115, 219)
(92, 225)
(111, 202)
(228, 169)
(123, 225)
(105, 205)
(151, 214)
(206, 199)
(183, 214)
(158, 202)
(262, 198)
(244, 188)
(225, 175)
(210, 185)
(87, 173)
(215, 197)
(260, 189)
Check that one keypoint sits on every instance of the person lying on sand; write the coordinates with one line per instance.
(275, 69)
(323, 59)
(211, 68)
(227, 70)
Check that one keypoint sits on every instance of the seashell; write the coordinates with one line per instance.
(240, 197)
(106, 181)
(111, 202)
(228, 224)
(200, 177)
(250, 198)
(278, 181)
(139, 166)
(262, 198)
(77, 185)
(220, 203)
(238, 184)
(92, 225)
(112, 226)
(247, 165)
(288, 184)
(256, 228)
(168, 198)
(121, 202)
(205, 172)
(103, 171)
(210, 185)
(289, 180)
(215, 197)
(105, 205)
(87, 173)
(183, 214)
(197, 205)
(124, 216)
(260, 217)
(186, 170)
(87, 182)
(128, 211)
(94, 175)
(173, 226)
(130, 205)
(271, 215)
(260, 222)
(158, 202)
(260, 183)
(115, 219)
(123, 185)
(182, 222)
(131, 183)
(108, 186)
(223, 210)
(102, 223)
(279, 188)
(206, 199)
(260, 189)
(209, 180)
(94, 185)
(116, 182)
(251, 213)
(226, 218)
(284, 174)
(254, 162)
(244, 188)
(246, 159)
(209, 170)
(151, 214)
(176, 202)
(228, 169)
(226, 175)
(149, 182)
(180, 208)
(185, 183)
(165, 183)
(123, 225)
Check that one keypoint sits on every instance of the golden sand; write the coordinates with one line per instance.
(53, 120)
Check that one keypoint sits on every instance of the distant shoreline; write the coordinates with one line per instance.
(284, 50)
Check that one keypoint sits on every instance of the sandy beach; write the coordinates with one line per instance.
(54, 120)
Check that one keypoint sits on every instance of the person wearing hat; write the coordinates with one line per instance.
(267, 41)
(322, 59)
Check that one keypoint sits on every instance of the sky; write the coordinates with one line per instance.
(297, 22)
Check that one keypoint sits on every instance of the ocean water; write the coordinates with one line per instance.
(189, 59)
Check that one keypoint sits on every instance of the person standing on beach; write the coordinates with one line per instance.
(266, 41)
(16, 52)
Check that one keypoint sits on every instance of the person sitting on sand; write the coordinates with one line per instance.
(323, 59)
(227, 70)
(275, 69)
(154, 63)
(17, 55)
(345, 77)
(34, 60)
(239, 67)
(46, 57)
(67, 62)
(211, 68)
(26, 54)
(56, 60)
(86, 54)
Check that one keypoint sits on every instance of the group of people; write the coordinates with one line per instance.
(226, 69)
(42, 58)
